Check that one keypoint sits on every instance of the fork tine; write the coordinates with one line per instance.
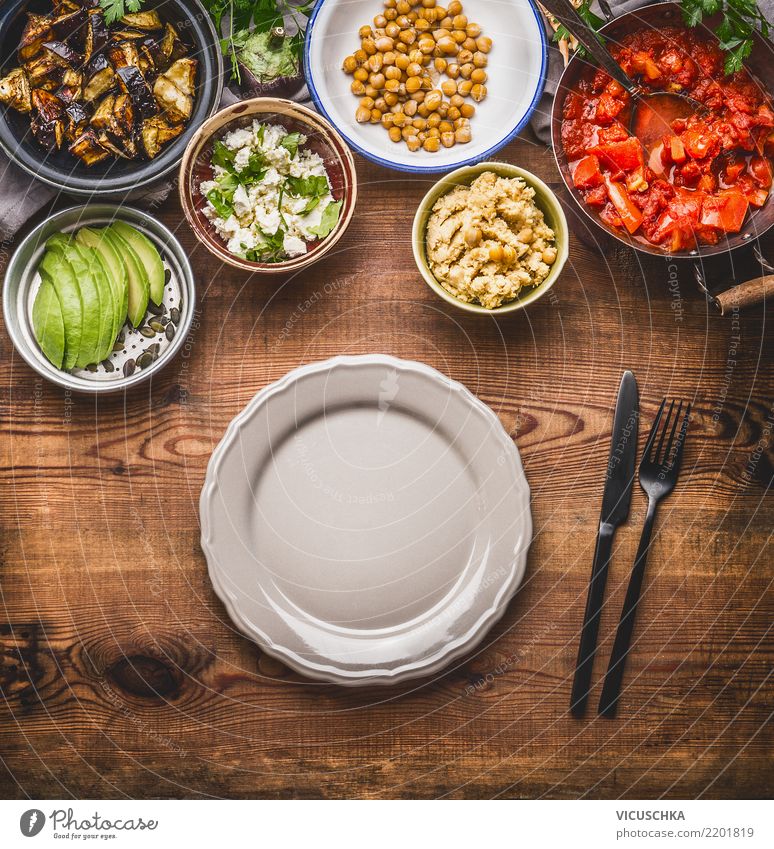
(681, 440)
(664, 458)
(655, 457)
(653, 432)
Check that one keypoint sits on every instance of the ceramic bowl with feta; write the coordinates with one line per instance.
(268, 186)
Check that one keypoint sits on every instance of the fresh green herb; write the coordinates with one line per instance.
(593, 20)
(223, 156)
(291, 142)
(313, 187)
(246, 16)
(272, 249)
(222, 206)
(116, 9)
(740, 19)
(329, 219)
(255, 170)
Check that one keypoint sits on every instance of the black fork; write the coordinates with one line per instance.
(659, 469)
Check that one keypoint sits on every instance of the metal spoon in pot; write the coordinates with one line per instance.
(652, 113)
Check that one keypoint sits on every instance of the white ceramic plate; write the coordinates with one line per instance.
(365, 520)
(517, 68)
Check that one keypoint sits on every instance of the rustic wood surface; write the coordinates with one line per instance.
(122, 676)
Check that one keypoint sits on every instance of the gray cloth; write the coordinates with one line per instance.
(541, 119)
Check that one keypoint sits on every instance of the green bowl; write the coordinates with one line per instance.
(544, 198)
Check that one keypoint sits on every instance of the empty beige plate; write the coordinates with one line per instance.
(365, 520)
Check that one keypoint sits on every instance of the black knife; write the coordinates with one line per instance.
(615, 508)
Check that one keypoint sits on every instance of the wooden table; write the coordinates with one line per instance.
(122, 676)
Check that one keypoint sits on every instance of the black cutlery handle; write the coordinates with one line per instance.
(611, 689)
(588, 642)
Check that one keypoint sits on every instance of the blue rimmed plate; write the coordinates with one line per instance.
(517, 68)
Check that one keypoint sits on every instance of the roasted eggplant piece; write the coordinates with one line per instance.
(45, 71)
(109, 144)
(48, 123)
(182, 75)
(76, 121)
(156, 132)
(123, 125)
(124, 54)
(103, 114)
(143, 20)
(97, 33)
(70, 25)
(64, 52)
(36, 31)
(171, 45)
(133, 83)
(127, 34)
(100, 78)
(174, 104)
(69, 94)
(15, 90)
(88, 149)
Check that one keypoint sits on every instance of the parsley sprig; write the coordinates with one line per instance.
(740, 19)
(116, 9)
(590, 17)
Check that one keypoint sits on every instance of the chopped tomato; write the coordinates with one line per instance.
(596, 196)
(699, 143)
(614, 133)
(629, 212)
(676, 149)
(760, 168)
(733, 169)
(608, 108)
(725, 211)
(587, 173)
(623, 156)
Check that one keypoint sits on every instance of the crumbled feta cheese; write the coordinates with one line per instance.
(263, 208)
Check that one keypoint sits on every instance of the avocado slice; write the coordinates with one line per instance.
(115, 269)
(109, 306)
(139, 287)
(90, 299)
(47, 322)
(147, 254)
(59, 272)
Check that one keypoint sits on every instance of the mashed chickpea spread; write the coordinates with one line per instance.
(487, 241)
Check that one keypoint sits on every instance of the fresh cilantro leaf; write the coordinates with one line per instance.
(328, 220)
(255, 170)
(222, 206)
(115, 9)
(223, 156)
(291, 143)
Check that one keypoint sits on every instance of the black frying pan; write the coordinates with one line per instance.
(760, 63)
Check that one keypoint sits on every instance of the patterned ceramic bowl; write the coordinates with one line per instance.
(321, 138)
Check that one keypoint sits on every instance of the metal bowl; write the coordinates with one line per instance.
(113, 178)
(22, 282)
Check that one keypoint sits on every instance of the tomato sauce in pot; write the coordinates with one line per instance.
(706, 172)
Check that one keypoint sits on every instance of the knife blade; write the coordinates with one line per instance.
(617, 496)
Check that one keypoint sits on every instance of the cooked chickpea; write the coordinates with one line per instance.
(390, 4)
(357, 88)
(361, 74)
(403, 7)
(433, 100)
(367, 102)
(469, 44)
(394, 134)
(480, 59)
(377, 81)
(453, 113)
(449, 87)
(459, 37)
(440, 11)
(440, 64)
(413, 143)
(388, 120)
(452, 70)
(365, 32)
(549, 256)
(384, 43)
(432, 144)
(389, 57)
(467, 110)
(407, 36)
(349, 65)
(464, 87)
(375, 62)
(473, 30)
(380, 22)
(402, 62)
(484, 43)
(464, 56)
(462, 135)
(410, 108)
(422, 110)
(370, 91)
(428, 4)
(392, 30)
(390, 14)
(413, 84)
(479, 76)
(509, 254)
(445, 127)
(369, 45)
(454, 8)
(363, 115)
(478, 92)
(456, 100)
(360, 55)
(495, 251)
(399, 119)
(466, 70)
(472, 236)
(525, 235)
(447, 139)
(422, 24)
(433, 120)
(393, 73)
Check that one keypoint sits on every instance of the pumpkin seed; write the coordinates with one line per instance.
(108, 366)
(167, 276)
(174, 314)
(145, 359)
(157, 326)
(147, 332)
(129, 368)
(92, 367)
(170, 332)
(164, 320)
(119, 346)
(154, 348)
